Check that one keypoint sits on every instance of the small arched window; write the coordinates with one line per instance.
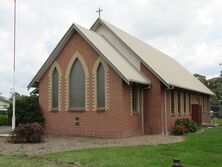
(77, 86)
(100, 86)
(55, 88)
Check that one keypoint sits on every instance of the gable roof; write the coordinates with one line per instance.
(5, 100)
(128, 72)
(165, 68)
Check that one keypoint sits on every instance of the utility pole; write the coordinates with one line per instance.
(14, 48)
(221, 69)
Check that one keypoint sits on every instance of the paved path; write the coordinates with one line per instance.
(5, 129)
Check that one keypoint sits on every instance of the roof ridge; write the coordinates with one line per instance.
(124, 57)
(165, 68)
(100, 45)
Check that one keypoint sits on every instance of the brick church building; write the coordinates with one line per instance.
(103, 82)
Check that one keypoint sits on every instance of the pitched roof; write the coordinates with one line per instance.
(112, 56)
(165, 68)
(5, 100)
(128, 72)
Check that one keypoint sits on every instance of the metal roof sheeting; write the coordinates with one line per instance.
(113, 57)
(164, 67)
(128, 72)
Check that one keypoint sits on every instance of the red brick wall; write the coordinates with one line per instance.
(173, 117)
(194, 96)
(116, 122)
(153, 105)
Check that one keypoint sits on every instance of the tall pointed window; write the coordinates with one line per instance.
(55, 88)
(100, 80)
(77, 86)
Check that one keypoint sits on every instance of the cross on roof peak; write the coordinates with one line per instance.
(98, 11)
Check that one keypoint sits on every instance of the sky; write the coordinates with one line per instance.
(187, 30)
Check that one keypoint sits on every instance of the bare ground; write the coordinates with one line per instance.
(59, 143)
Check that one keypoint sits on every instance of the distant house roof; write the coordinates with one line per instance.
(5, 100)
(168, 70)
(128, 72)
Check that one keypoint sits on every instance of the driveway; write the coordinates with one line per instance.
(5, 129)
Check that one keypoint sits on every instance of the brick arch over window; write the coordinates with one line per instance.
(76, 56)
(98, 62)
(54, 66)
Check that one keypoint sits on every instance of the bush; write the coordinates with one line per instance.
(184, 126)
(27, 133)
(4, 120)
(27, 110)
(180, 130)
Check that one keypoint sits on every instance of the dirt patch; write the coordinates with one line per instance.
(58, 143)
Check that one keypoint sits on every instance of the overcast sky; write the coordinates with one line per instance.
(188, 30)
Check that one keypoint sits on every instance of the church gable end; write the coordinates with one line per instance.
(93, 115)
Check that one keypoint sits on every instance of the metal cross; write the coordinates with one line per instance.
(98, 11)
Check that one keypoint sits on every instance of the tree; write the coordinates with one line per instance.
(202, 78)
(215, 85)
(27, 110)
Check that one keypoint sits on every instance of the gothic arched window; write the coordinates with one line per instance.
(77, 86)
(100, 80)
(55, 88)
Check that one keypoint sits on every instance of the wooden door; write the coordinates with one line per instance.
(197, 113)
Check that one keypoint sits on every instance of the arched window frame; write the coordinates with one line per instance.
(53, 66)
(106, 69)
(75, 56)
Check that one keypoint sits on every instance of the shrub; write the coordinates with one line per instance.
(184, 126)
(180, 130)
(27, 133)
(4, 120)
(27, 110)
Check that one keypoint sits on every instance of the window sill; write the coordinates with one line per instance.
(102, 109)
(173, 114)
(54, 110)
(135, 113)
(77, 110)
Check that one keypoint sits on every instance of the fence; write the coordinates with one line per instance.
(216, 115)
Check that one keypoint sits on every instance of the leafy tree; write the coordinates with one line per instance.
(27, 110)
(215, 85)
(202, 78)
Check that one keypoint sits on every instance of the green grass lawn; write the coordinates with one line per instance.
(200, 149)
(216, 121)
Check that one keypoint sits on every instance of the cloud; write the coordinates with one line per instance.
(189, 31)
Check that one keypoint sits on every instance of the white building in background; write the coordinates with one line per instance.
(4, 104)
